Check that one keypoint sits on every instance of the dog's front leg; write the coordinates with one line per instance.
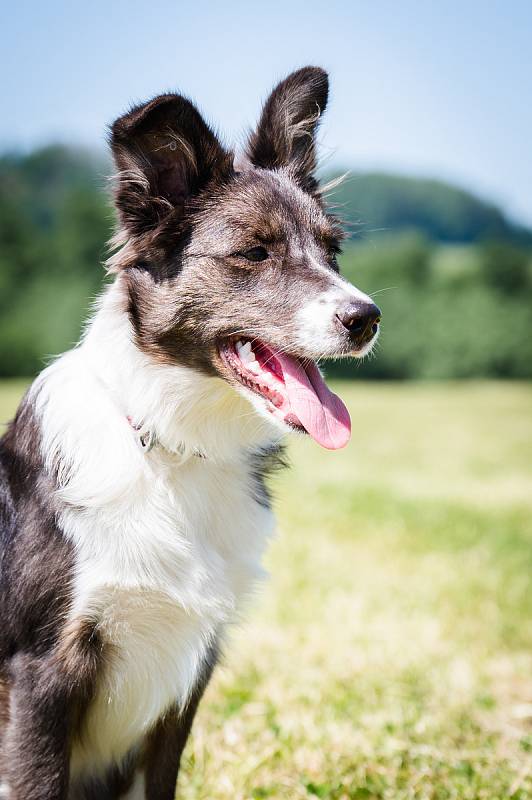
(165, 744)
(164, 750)
(36, 743)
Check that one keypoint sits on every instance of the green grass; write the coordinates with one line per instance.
(389, 655)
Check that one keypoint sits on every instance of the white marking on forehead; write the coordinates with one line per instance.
(289, 186)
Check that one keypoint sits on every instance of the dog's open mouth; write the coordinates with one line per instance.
(292, 387)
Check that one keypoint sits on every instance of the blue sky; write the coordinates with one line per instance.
(439, 89)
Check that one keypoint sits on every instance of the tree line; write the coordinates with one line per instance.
(451, 273)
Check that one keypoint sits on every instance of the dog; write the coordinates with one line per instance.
(134, 506)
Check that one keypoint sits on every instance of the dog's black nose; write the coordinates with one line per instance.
(361, 319)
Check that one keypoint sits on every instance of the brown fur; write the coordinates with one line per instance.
(176, 321)
(186, 217)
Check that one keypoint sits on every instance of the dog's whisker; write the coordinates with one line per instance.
(379, 291)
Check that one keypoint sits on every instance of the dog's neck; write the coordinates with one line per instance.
(177, 407)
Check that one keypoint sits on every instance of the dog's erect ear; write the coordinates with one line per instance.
(165, 154)
(285, 135)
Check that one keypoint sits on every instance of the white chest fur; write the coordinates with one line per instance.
(166, 547)
(161, 570)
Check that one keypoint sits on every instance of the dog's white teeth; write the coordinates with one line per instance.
(239, 345)
(246, 348)
(247, 358)
(254, 367)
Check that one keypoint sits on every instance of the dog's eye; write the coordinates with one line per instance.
(255, 254)
(334, 252)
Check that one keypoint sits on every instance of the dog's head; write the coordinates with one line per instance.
(231, 270)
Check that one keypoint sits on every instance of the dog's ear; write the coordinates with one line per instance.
(286, 133)
(165, 154)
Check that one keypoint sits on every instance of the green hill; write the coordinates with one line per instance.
(372, 202)
(452, 274)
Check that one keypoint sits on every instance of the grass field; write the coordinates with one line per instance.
(389, 656)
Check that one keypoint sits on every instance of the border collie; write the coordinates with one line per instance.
(133, 504)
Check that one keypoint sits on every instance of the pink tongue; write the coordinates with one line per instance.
(320, 411)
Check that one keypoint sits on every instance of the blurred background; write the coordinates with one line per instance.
(428, 115)
(390, 655)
